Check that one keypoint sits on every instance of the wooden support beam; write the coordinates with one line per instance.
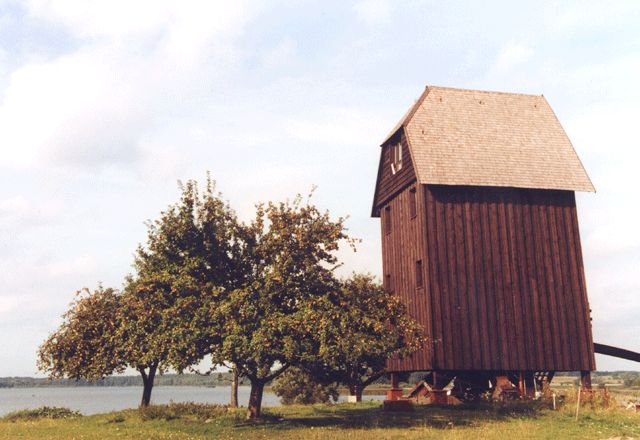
(530, 386)
(395, 392)
(395, 382)
(585, 379)
(616, 352)
(521, 388)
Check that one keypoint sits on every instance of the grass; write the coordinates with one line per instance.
(516, 420)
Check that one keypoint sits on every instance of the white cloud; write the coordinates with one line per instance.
(188, 22)
(373, 12)
(113, 18)
(144, 63)
(511, 55)
(15, 205)
(8, 304)
(76, 266)
(281, 55)
(19, 212)
(333, 126)
(73, 109)
(592, 14)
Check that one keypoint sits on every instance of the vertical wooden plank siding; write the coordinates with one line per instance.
(434, 280)
(503, 278)
(402, 248)
(583, 282)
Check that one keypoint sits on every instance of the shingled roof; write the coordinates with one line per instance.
(470, 137)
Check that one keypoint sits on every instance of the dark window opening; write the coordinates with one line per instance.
(413, 203)
(387, 282)
(396, 158)
(419, 280)
(387, 220)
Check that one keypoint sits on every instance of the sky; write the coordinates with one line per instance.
(105, 105)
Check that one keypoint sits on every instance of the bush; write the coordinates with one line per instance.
(199, 411)
(296, 386)
(41, 413)
(118, 418)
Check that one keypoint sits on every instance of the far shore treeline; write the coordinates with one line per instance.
(260, 298)
(225, 379)
(216, 379)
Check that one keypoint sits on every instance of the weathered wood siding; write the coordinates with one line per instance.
(401, 248)
(389, 184)
(503, 275)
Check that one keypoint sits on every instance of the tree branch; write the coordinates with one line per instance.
(276, 373)
(373, 378)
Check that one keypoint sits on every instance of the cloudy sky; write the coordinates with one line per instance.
(104, 105)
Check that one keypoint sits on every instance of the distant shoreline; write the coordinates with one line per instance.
(223, 379)
(198, 380)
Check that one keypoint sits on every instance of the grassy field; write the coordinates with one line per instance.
(345, 421)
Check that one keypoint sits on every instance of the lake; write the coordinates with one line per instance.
(94, 400)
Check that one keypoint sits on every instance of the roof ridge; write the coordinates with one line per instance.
(496, 92)
(407, 116)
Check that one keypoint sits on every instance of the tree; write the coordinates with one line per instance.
(233, 403)
(184, 271)
(289, 250)
(359, 327)
(297, 386)
(86, 344)
(106, 331)
(157, 322)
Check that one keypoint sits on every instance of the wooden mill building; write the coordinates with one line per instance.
(480, 238)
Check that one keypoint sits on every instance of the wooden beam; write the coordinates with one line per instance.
(616, 352)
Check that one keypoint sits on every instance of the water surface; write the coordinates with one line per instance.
(95, 400)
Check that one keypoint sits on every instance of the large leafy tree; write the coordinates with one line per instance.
(189, 262)
(290, 250)
(358, 327)
(105, 332)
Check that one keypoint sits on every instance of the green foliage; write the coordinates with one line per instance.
(296, 386)
(158, 320)
(87, 344)
(289, 254)
(359, 326)
(189, 260)
(44, 412)
(198, 411)
(260, 296)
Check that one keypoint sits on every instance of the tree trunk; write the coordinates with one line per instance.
(147, 381)
(255, 399)
(355, 393)
(234, 388)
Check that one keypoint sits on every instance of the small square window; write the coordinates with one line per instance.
(413, 203)
(396, 158)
